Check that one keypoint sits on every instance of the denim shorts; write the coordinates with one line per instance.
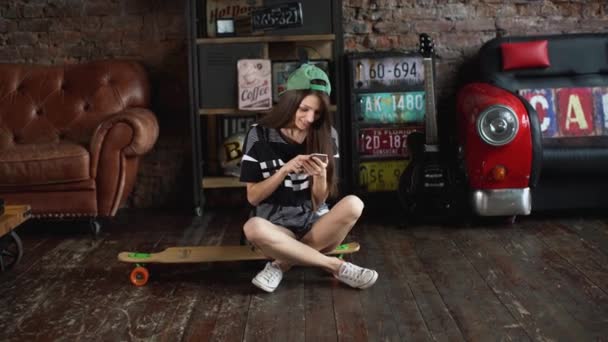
(298, 219)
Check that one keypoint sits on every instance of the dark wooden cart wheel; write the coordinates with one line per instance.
(95, 227)
(11, 251)
(139, 276)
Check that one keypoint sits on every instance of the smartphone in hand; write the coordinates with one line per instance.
(321, 156)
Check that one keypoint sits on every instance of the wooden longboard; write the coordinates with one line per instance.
(196, 254)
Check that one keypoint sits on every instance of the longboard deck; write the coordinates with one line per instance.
(195, 254)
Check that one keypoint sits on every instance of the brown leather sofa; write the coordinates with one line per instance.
(71, 136)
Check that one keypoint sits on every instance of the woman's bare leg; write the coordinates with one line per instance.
(331, 229)
(280, 244)
(328, 232)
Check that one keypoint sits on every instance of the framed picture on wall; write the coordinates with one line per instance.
(282, 69)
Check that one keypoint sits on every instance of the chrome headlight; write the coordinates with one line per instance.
(497, 125)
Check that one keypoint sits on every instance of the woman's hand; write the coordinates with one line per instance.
(318, 169)
(315, 167)
(257, 192)
(295, 165)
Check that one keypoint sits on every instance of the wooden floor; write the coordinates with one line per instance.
(541, 279)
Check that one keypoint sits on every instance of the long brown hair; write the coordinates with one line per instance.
(318, 139)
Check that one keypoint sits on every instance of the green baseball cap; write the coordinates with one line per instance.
(301, 79)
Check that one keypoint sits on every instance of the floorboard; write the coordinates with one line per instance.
(396, 319)
(478, 312)
(424, 315)
(542, 278)
(533, 306)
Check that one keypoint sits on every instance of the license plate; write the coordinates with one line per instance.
(388, 71)
(407, 107)
(279, 16)
(384, 141)
(377, 176)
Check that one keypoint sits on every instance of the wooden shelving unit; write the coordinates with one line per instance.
(221, 182)
(320, 44)
(267, 39)
(235, 111)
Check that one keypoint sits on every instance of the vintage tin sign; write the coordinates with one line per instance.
(575, 112)
(405, 107)
(217, 9)
(388, 71)
(254, 84)
(277, 16)
(231, 125)
(375, 176)
(570, 112)
(385, 141)
(601, 106)
(543, 101)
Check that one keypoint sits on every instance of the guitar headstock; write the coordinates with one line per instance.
(427, 47)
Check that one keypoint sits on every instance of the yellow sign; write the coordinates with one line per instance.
(377, 176)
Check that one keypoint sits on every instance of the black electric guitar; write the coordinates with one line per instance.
(425, 185)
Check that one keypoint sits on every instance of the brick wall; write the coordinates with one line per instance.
(459, 28)
(153, 31)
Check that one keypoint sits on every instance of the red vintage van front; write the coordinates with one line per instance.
(496, 149)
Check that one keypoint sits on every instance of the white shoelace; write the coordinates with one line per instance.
(352, 272)
(272, 273)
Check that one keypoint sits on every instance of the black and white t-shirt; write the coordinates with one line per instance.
(263, 156)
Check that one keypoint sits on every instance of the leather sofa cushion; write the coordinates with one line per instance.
(38, 164)
(524, 55)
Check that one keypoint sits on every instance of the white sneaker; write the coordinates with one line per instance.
(357, 277)
(269, 278)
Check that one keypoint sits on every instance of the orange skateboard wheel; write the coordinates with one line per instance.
(139, 276)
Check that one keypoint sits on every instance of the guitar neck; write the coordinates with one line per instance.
(430, 129)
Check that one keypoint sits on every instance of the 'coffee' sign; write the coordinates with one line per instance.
(254, 78)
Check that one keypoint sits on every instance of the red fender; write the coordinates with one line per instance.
(479, 157)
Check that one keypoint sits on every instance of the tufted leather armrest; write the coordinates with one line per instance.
(140, 120)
